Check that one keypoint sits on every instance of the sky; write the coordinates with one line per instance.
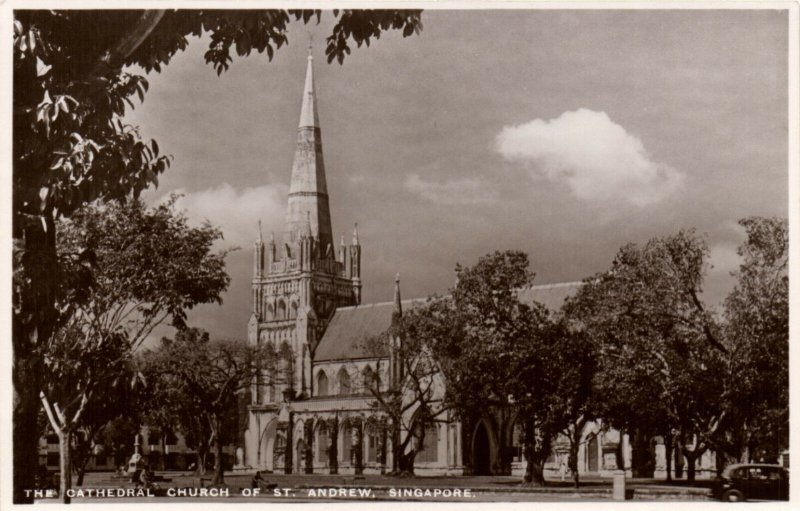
(565, 134)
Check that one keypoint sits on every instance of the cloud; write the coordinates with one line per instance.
(594, 156)
(237, 212)
(454, 192)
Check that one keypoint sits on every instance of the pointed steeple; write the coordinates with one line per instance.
(308, 112)
(355, 234)
(398, 305)
(308, 190)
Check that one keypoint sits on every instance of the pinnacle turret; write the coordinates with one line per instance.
(398, 305)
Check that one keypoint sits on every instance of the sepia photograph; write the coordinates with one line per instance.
(525, 252)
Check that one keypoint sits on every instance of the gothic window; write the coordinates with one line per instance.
(286, 368)
(270, 312)
(322, 443)
(430, 447)
(280, 441)
(293, 311)
(369, 379)
(280, 311)
(344, 382)
(322, 384)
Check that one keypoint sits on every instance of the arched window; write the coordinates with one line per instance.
(286, 368)
(293, 311)
(322, 384)
(369, 379)
(322, 443)
(270, 312)
(430, 446)
(344, 382)
(280, 311)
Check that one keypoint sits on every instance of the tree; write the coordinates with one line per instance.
(411, 395)
(70, 146)
(574, 353)
(757, 334)
(659, 348)
(210, 375)
(148, 265)
(117, 437)
(79, 372)
(495, 354)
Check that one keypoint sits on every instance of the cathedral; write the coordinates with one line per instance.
(318, 416)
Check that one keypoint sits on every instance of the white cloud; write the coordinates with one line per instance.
(237, 212)
(594, 156)
(454, 192)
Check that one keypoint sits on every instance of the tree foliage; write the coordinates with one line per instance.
(145, 265)
(71, 88)
(409, 390)
(660, 357)
(757, 334)
(205, 379)
(496, 353)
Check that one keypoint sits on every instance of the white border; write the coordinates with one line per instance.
(6, 8)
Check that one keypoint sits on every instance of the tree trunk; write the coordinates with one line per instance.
(333, 457)
(81, 471)
(504, 462)
(691, 459)
(690, 468)
(201, 461)
(219, 475)
(358, 449)
(32, 325)
(572, 460)
(534, 468)
(396, 448)
(406, 463)
(26, 432)
(744, 453)
(163, 460)
(64, 466)
(668, 453)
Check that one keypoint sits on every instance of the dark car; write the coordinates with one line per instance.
(752, 482)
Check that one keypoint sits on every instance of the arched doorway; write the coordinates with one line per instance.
(266, 446)
(481, 451)
(592, 464)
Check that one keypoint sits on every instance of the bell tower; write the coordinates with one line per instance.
(298, 284)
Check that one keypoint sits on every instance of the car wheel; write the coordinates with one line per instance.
(732, 496)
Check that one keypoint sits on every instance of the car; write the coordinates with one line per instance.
(752, 482)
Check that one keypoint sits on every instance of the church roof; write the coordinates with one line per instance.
(351, 327)
(551, 296)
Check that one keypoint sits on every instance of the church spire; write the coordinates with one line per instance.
(308, 111)
(308, 190)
